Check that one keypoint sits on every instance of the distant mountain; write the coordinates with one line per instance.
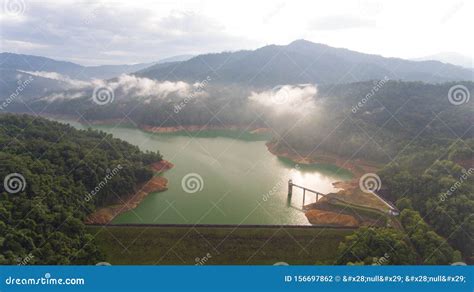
(451, 58)
(31, 63)
(302, 62)
(178, 58)
(15, 84)
(164, 63)
(27, 77)
(110, 71)
(51, 75)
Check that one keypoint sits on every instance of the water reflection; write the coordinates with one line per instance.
(243, 182)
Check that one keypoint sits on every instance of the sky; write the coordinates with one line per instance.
(133, 31)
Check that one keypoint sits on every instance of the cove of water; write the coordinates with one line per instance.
(237, 180)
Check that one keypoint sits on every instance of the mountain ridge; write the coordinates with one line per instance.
(73, 70)
(302, 61)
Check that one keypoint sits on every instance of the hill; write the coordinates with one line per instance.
(303, 62)
(32, 63)
(55, 175)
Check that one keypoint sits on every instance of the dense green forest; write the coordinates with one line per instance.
(66, 174)
(378, 121)
(438, 183)
(424, 142)
(417, 245)
(375, 119)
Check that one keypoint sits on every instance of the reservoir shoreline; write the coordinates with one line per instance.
(341, 171)
(157, 183)
(232, 226)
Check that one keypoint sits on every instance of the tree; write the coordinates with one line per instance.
(379, 246)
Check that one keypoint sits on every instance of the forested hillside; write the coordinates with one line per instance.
(54, 175)
(435, 191)
(19, 62)
(439, 183)
(376, 120)
(428, 150)
(423, 138)
(303, 61)
(384, 246)
(380, 121)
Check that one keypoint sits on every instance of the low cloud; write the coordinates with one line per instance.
(63, 96)
(287, 108)
(73, 83)
(137, 86)
(126, 87)
(287, 99)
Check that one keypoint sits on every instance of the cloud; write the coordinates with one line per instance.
(187, 23)
(339, 22)
(287, 99)
(63, 96)
(137, 86)
(73, 83)
(20, 45)
(112, 32)
(120, 31)
(127, 87)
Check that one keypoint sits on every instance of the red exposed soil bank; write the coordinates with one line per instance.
(155, 184)
(196, 128)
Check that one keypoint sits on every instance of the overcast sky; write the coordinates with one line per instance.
(133, 31)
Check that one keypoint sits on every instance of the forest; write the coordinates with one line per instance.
(398, 118)
(437, 183)
(41, 216)
(377, 120)
(422, 142)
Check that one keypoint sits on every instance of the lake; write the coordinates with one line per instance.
(222, 177)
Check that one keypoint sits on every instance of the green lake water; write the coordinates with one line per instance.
(237, 181)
